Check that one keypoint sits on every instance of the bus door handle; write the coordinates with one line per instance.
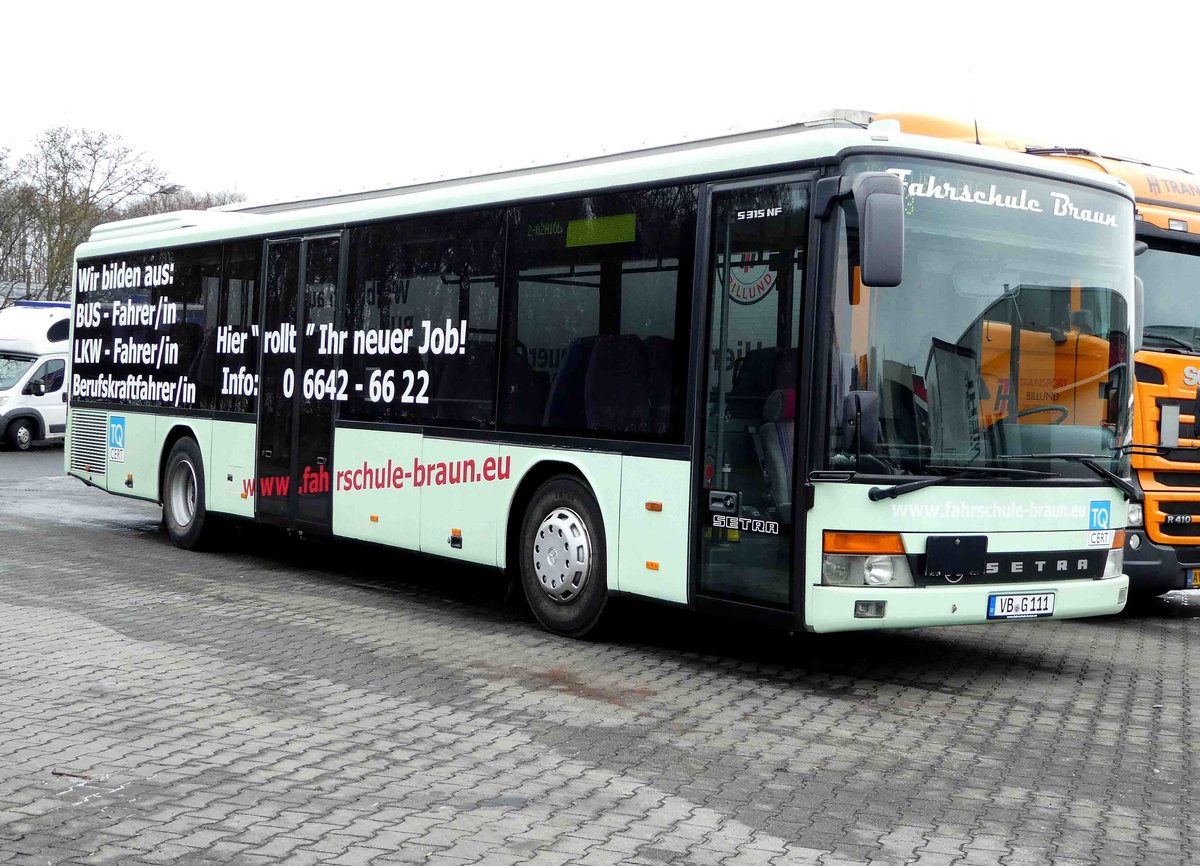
(267, 454)
(320, 461)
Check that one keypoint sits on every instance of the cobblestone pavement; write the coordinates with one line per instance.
(306, 703)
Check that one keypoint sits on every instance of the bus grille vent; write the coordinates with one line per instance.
(89, 441)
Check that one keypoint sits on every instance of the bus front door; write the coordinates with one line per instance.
(756, 263)
(296, 392)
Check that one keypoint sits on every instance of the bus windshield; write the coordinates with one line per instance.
(12, 368)
(1172, 318)
(1007, 337)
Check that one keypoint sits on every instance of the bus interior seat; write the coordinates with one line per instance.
(466, 384)
(565, 405)
(753, 378)
(524, 392)
(775, 436)
(784, 375)
(616, 395)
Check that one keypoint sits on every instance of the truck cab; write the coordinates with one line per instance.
(33, 367)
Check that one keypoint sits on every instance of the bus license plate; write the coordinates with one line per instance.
(1020, 606)
(1194, 578)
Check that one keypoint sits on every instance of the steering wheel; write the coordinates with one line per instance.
(1062, 411)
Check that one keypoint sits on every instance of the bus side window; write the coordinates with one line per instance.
(422, 304)
(597, 315)
(236, 356)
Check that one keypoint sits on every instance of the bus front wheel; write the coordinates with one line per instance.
(183, 495)
(563, 568)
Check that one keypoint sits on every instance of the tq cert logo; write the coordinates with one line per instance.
(116, 438)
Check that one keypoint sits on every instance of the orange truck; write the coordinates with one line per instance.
(1162, 548)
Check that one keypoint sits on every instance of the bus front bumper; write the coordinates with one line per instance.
(832, 608)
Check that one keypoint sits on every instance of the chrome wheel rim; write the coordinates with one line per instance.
(562, 555)
(182, 493)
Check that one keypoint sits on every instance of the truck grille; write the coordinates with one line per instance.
(89, 441)
(1181, 519)
(1178, 479)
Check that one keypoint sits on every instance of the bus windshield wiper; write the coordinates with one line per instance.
(1088, 460)
(955, 473)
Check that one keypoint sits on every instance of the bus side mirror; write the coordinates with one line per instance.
(860, 422)
(1139, 313)
(879, 198)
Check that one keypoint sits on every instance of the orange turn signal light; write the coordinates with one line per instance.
(652, 565)
(374, 518)
(654, 506)
(1118, 539)
(863, 543)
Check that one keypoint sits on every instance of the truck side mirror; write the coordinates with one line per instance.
(37, 389)
(879, 198)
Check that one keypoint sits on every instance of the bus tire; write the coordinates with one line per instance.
(21, 434)
(184, 513)
(564, 571)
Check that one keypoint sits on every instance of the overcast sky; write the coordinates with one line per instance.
(277, 99)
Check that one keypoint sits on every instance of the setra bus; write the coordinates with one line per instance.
(1162, 546)
(741, 374)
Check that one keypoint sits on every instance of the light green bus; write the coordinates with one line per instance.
(772, 374)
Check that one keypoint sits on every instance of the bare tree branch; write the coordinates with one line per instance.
(76, 179)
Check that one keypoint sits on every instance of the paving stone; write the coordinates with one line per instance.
(279, 701)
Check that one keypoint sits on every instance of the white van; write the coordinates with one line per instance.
(33, 372)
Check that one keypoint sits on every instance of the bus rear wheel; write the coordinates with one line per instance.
(183, 496)
(563, 568)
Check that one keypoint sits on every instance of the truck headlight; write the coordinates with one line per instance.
(1135, 514)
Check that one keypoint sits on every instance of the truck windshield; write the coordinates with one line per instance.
(1171, 274)
(12, 368)
(1008, 335)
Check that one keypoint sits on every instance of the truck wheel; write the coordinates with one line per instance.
(21, 434)
(563, 568)
(183, 496)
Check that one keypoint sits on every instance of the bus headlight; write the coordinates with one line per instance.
(878, 570)
(1116, 562)
(864, 559)
(1135, 514)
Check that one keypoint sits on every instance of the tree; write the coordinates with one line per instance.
(13, 224)
(74, 180)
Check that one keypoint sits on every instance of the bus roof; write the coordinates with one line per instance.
(826, 136)
(1168, 198)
